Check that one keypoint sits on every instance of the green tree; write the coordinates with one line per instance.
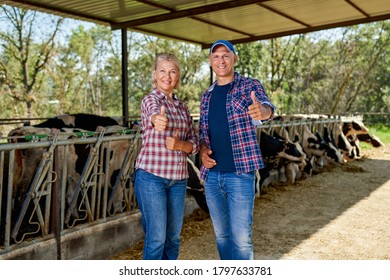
(26, 49)
(340, 71)
(194, 79)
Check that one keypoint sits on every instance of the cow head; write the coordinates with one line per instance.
(354, 127)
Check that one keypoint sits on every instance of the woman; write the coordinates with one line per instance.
(168, 136)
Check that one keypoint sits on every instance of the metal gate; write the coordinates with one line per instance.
(56, 198)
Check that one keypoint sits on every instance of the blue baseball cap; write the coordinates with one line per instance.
(225, 43)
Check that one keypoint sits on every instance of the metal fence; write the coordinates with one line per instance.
(55, 200)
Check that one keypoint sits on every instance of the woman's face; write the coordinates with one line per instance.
(166, 76)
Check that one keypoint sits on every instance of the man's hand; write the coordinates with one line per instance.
(207, 161)
(258, 111)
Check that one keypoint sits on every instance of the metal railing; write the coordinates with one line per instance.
(55, 200)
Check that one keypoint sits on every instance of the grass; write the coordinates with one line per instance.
(381, 131)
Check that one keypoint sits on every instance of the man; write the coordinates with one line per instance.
(229, 112)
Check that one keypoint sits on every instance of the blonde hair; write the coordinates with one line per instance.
(166, 57)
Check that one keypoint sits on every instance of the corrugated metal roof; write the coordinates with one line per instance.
(204, 21)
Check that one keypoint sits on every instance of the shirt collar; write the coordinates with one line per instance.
(161, 96)
(236, 76)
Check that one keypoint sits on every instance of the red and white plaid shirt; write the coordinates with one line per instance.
(154, 157)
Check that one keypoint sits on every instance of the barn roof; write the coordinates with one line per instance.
(204, 21)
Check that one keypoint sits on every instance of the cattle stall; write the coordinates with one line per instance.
(61, 208)
(307, 143)
(56, 198)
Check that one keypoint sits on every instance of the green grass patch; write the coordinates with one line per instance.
(381, 131)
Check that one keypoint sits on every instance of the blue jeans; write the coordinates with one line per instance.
(230, 197)
(161, 202)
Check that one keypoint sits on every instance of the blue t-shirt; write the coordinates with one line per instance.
(220, 141)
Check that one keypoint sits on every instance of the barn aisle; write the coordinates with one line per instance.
(342, 213)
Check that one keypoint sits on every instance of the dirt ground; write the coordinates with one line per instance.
(342, 213)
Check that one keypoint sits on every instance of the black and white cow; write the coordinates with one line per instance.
(332, 151)
(195, 186)
(277, 152)
(320, 146)
(354, 127)
(371, 139)
(357, 132)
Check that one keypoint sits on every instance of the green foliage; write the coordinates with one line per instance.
(142, 55)
(382, 131)
(340, 71)
(25, 50)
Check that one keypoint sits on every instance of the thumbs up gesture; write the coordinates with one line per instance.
(162, 113)
(173, 143)
(160, 120)
(258, 111)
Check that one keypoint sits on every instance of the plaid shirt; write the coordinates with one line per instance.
(154, 157)
(246, 150)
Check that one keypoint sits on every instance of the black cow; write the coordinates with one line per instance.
(84, 121)
(195, 185)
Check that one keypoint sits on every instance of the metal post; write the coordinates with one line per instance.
(57, 200)
(125, 81)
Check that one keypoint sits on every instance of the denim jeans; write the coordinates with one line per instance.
(230, 197)
(161, 202)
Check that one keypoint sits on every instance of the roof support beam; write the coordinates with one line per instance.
(284, 15)
(357, 8)
(306, 30)
(222, 26)
(55, 10)
(194, 17)
(166, 35)
(186, 13)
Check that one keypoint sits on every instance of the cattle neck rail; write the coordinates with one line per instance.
(57, 204)
(52, 186)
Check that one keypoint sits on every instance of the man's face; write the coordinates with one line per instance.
(222, 61)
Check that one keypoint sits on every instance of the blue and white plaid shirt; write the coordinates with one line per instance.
(246, 150)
